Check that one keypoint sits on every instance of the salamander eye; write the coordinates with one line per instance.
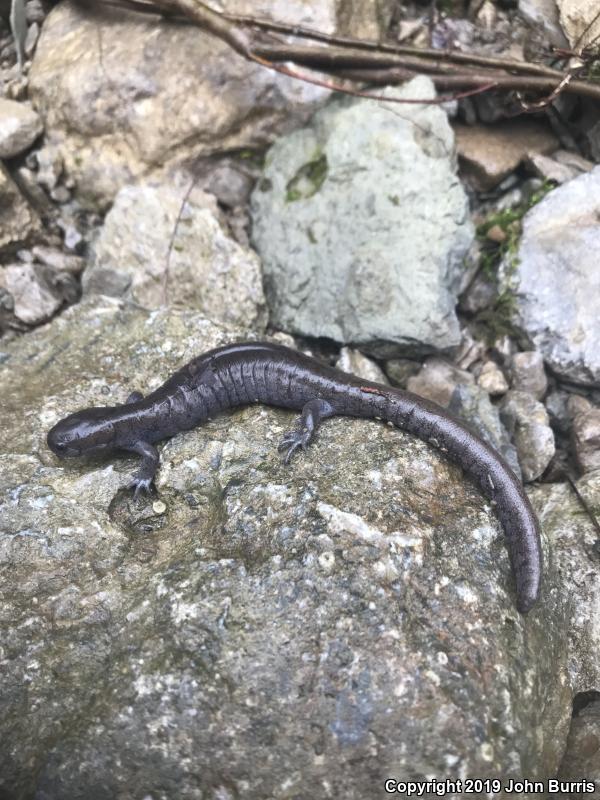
(60, 446)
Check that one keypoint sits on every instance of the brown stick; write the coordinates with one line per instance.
(465, 80)
(459, 57)
(367, 62)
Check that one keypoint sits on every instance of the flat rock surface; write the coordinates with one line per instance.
(370, 191)
(254, 629)
(490, 153)
(556, 280)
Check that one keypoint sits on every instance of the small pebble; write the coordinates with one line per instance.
(159, 507)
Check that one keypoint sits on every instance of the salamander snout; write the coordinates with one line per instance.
(84, 432)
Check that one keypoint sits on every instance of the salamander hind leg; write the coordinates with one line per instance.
(313, 413)
(142, 479)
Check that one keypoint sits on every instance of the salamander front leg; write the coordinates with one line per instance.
(142, 479)
(312, 415)
(134, 397)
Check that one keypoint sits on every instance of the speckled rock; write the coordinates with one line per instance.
(586, 438)
(350, 248)
(18, 221)
(491, 379)
(161, 245)
(528, 374)
(253, 630)
(575, 549)
(34, 299)
(19, 127)
(527, 421)
(122, 96)
(561, 236)
(575, 554)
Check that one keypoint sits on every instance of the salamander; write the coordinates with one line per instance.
(263, 372)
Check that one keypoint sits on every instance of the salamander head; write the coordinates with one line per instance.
(87, 431)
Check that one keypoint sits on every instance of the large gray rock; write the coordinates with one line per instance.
(257, 630)
(543, 14)
(580, 21)
(556, 279)
(162, 244)
(362, 226)
(123, 95)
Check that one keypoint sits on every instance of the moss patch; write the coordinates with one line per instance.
(308, 180)
(498, 319)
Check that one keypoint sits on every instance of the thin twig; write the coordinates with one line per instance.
(466, 80)
(298, 31)
(186, 197)
(335, 87)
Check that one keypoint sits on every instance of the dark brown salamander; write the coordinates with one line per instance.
(262, 372)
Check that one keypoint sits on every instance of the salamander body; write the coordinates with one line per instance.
(241, 374)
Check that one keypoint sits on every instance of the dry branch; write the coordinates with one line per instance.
(366, 62)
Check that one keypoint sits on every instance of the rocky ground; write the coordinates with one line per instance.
(255, 630)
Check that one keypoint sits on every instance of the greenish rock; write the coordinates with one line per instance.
(254, 630)
(362, 226)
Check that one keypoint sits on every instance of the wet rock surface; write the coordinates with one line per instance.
(348, 192)
(254, 627)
